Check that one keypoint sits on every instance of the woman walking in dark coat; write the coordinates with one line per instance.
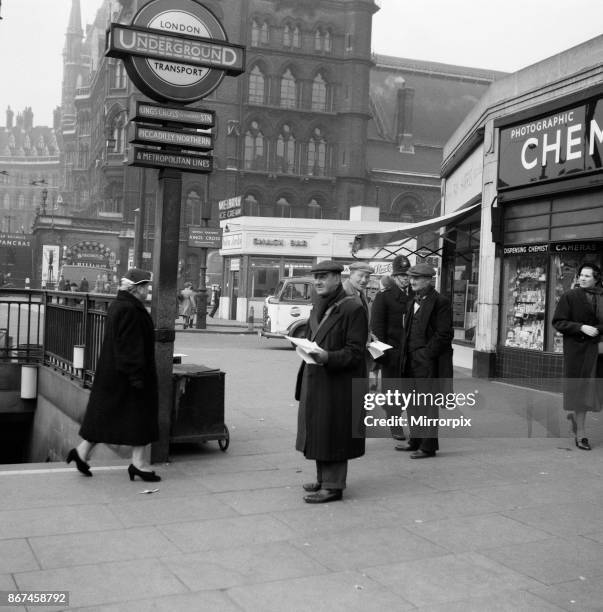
(579, 317)
(123, 404)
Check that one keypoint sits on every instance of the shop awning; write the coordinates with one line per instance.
(392, 242)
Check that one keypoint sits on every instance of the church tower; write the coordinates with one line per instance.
(73, 65)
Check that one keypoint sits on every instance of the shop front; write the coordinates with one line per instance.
(535, 164)
(260, 251)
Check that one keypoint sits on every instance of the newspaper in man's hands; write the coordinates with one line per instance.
(376, 348)
(303, 347)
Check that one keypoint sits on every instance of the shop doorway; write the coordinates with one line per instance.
(234, 293)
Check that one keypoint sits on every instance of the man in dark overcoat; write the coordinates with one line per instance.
(387, 317)
(426, 359)
(123, 403)
(579, 317)
(339, 326)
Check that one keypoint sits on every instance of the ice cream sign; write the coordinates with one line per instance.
(175, 50)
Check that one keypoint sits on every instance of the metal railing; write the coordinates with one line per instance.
(45, 326)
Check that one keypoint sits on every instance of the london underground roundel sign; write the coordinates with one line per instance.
(175, 50)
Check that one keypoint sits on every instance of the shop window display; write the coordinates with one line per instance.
(524, 301)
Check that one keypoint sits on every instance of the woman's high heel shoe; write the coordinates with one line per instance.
(81, 465)
(146, 476)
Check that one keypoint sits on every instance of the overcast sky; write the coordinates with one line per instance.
(500, 35)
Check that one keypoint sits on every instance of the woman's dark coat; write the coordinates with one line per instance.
(123, 404)
(387, 316)
(580, 352)
(434, 320)
(324, 431)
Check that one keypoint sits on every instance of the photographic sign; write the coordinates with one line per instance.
(205, 237)
(144, 134)
(152, 158)
(230, 208)
(560, 145)
(189, 117)
(175, 50)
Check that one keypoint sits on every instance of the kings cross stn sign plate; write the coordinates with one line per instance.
(189, 117)
(175, 50)
(152, 158)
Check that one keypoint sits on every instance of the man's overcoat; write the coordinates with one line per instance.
(123, 404)
(387, 316)
(324, 392)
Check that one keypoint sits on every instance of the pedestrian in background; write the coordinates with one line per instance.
(339, 325)
(186, 304)
(123, 403)
(579, 317)
(356, 284)
(387, 317)
(426, 356)
(216, 294)
(84, 285)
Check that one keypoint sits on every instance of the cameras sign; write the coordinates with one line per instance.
(175, 50)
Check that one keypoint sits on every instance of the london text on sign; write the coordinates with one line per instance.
(162, 136)
(151, 158)
(561, 145)
(189, 117)
(175, 50)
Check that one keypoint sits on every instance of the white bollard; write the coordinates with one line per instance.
(29, 381)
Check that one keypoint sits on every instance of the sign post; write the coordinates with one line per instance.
(174, 51)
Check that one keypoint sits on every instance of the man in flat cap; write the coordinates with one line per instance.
(426, 356)
(338, 324)
(356, 284)
(387, 318)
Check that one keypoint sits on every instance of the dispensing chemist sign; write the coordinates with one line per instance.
(175, 50)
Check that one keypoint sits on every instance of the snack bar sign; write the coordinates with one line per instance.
(175, 50)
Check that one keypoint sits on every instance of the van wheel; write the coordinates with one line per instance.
(300, 332)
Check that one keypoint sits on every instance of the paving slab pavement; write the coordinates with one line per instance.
(490, 524)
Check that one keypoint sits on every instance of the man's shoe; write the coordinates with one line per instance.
(324, 496)
(583, 444)
(311, 487)
(421, 454)
(406, 447)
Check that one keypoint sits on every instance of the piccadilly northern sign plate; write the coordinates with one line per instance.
(160, 136)
(175, 50)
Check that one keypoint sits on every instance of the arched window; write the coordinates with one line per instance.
(265, 34)
(21, 201)
(319, 94)
(327, 42)
(407, 208)
(118, 133)
(252, 206)
(314, 209)
(256, 86)
(317, 154)
(192, 209)
(287, 37)
(283, 208)
(296, 37)
(255, 33)
(317, 40)
(255, 154)
(6, 201)
(285, 151)
(288, 90)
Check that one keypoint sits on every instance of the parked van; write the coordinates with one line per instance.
(286, 312)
